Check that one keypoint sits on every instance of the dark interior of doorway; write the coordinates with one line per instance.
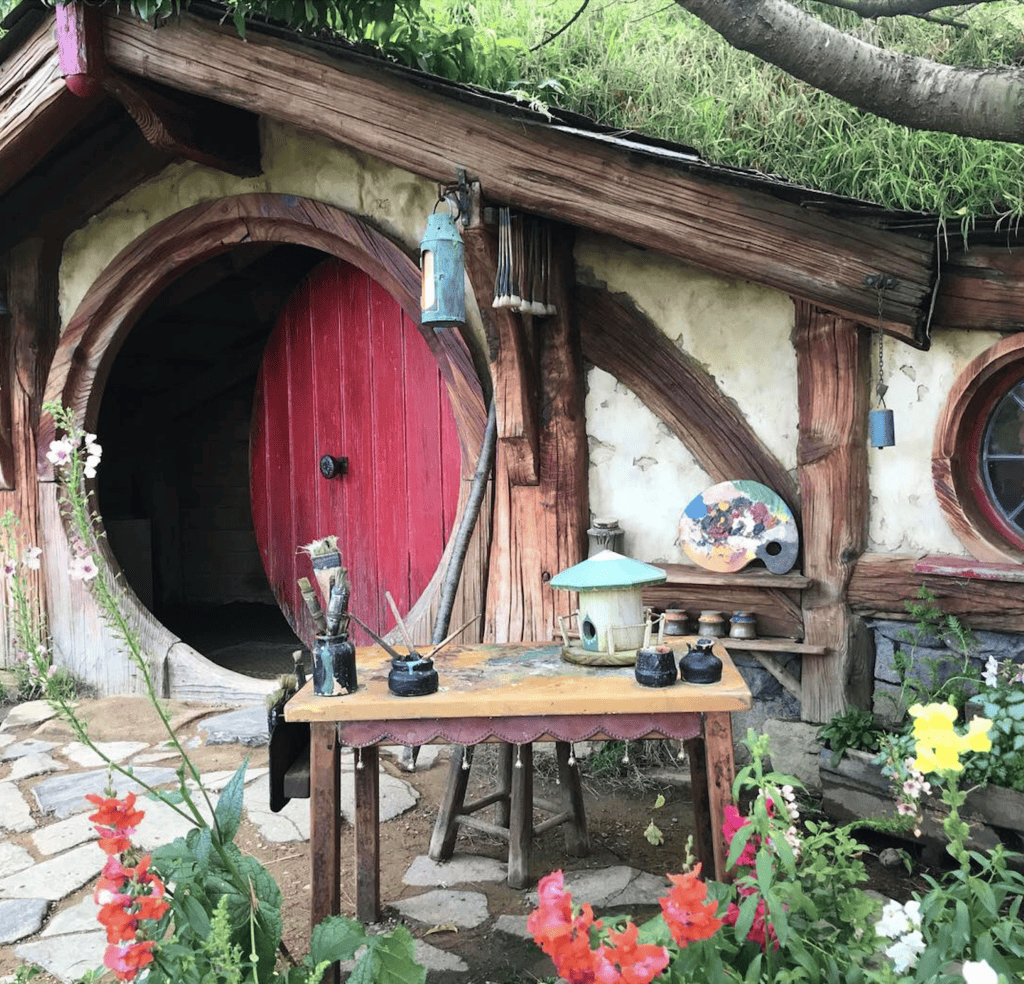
(173, 489)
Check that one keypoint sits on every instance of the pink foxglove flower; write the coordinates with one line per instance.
(9, 569)
(83, 568)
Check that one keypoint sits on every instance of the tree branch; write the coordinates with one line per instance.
(987, 103)
(898, 8)
(565, 27)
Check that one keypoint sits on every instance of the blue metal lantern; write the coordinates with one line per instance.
(881, 429)
(442, 263)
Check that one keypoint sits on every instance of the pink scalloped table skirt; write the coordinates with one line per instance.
(519, 730)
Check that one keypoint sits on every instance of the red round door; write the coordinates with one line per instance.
(347, 374)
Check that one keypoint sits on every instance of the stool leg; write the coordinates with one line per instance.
(446, 829)
(367, 835)
(703, 828)
(502, 807)
(577, 843)
(520, 831)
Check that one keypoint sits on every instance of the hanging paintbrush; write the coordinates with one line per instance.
(501, 282)
(549, 307)
(537, 305)
(516, 253)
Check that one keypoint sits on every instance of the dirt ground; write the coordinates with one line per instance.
(618, 811)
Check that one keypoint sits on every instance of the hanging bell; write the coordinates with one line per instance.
(443, 302)
(881, 433)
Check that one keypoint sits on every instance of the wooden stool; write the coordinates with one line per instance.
(514, 810)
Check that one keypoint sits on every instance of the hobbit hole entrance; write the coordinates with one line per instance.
(174, 422)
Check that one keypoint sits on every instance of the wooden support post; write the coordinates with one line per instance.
(367, 833)
(721, 770)
(832, 385)
(520, 829)
(703, 833)
(325, 826)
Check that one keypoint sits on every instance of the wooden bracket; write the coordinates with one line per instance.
(80, 47)
(195, 128)
(513, 372)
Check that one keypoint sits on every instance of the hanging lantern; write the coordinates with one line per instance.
(881, 432)
(443, 301)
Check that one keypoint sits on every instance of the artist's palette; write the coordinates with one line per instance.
(731, 524)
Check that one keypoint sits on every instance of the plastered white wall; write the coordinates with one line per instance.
(904, 512)
(640, 472)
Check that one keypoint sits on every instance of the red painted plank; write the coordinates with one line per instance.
(969, 567)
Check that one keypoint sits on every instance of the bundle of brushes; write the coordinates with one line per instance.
(333, 582)
(523, 281)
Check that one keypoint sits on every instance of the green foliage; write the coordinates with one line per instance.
(852, 728)
(1004, 764)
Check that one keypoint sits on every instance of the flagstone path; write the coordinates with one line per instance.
(42, 788)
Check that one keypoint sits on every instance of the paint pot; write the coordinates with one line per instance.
(605, 534)
(675, 621)
(711, 625)
(700, 664)
(334, 666)
(743, 625)
(414, 677)
(655, 667)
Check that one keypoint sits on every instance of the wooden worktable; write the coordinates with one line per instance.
(516, 692)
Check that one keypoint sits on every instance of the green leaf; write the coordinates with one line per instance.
(389, 960)
(198, 840)
(653, 834)
(228, 811)
(197, 916)
(659, 802)
(335, 938)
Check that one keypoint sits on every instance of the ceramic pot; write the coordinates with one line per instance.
(334, 666)
(700, 664)
(711, 625)
(655, 667)
(675, 622)
(743, 625)
(412, 677)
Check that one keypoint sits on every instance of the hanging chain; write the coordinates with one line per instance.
(880, 387)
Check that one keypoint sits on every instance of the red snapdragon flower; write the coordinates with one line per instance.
(760, 930)
(115, 821)
(565, 937)
(688, 913)
(127, 959)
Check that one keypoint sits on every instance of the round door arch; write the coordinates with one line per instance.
(352, 435)
(109, 310)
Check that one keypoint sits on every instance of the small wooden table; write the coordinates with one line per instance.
(511, 692)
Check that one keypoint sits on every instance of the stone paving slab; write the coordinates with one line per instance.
(64, 834)
(396, 795)
(20, 918)
(15, 814)
(6, 739)
(163, 824)
(290, 824)
(608, 887)
(513, 926)
(26, 746)
(460, 870)
(34, 764)
(64, 795)
(246, 726)
(13, 858)
(56, 878)
(116, 751)
(80, 918)
(31, 712)
(66, 957)
(463, 909)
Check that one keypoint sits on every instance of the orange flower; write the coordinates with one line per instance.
(639, 963)
(121, 924)
(688, 913)
(127, 959)
(115, 821)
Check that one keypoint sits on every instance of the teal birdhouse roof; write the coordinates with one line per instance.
(605, 570)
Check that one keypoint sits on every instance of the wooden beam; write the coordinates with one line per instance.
(623, 341)
(36, 108)
(882, 583)
(80, 47)
(539, 530)
(513, 370)
(209, 133)
(679, 209)
(982, 288)
(832, 392)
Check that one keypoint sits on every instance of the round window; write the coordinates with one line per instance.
(978, 457)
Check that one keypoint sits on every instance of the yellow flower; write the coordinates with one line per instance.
(977, 735)
(938, 745)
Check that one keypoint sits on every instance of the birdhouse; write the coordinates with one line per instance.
(611, 617)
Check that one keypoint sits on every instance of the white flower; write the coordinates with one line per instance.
(893, 921)
(31, 557)
(60, 453)
(83, 568)
(90, 467)
(905, 951)
(913, 911)
(979, 972)
(991, 674)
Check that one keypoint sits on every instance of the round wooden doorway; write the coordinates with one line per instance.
(346, 374)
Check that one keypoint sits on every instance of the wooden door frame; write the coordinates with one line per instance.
(135, 278)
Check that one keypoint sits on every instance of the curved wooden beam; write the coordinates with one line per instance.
(143, 269)
(621, 340)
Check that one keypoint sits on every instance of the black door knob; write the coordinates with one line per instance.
(331, 466)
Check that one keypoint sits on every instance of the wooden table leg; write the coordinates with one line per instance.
(367, 833)
(325, 827)
(703, 829)
(520, 828)
(577, 843)
(446, 827)
(721, 770)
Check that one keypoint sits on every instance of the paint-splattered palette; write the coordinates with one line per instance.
(732, 524)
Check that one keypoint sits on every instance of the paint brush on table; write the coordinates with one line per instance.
(309, 596)
(337, 607)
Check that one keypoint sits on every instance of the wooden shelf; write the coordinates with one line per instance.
(774, 645)
(683, 575)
